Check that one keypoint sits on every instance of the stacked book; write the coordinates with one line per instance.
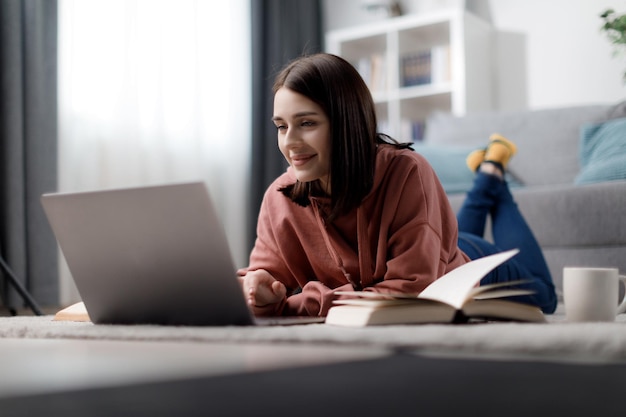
(425, 66)
(412, 130)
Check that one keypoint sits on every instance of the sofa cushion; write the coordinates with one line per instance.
(449, 165)
(547, 140)
(603, 152)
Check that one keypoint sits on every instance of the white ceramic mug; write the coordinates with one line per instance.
(591, 294)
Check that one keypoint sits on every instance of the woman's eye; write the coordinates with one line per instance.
(281, 127)
(308, 123)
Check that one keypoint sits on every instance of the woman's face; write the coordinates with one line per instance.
(303, 136)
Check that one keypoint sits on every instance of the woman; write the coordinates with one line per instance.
(355, 209)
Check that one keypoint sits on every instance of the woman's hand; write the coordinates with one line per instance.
(262, 291)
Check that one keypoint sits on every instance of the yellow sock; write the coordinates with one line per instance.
(475, 158)
(500, 150)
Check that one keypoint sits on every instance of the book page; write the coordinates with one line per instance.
(455, 287)
(500, 290)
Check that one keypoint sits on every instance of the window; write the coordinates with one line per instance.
(157, 91)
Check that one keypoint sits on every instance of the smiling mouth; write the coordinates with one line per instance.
(301, 160)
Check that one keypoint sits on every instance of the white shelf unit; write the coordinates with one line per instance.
(466, 86)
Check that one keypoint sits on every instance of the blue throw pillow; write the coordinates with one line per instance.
(449, 165)
(602, 152)
(448, 161)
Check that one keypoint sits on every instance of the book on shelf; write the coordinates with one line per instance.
(416, 68)
(456, 297)
(426, 66)
(440, 64)
(412, 130)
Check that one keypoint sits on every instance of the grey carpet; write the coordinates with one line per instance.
(556, 340)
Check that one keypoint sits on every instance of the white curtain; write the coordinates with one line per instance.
(156, 91)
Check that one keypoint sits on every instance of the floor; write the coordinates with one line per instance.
(42, 366)
(76, 378)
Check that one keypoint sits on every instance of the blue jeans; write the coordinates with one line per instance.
(491, 196)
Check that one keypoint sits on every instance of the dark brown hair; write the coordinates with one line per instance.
(336, 86)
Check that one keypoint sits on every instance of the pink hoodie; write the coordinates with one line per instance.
(400, 239)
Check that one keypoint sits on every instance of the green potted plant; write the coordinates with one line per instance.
(615, 29)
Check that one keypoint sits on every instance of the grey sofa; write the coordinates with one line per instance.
(576, 223)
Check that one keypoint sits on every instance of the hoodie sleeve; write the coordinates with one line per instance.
(281, 249)
(314, 300)
(267, 254)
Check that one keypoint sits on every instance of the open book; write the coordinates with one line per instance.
(75, 312)
(453, 298)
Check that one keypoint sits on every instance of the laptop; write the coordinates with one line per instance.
(151, 255)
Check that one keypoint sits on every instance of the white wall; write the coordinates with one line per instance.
(568, 60)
